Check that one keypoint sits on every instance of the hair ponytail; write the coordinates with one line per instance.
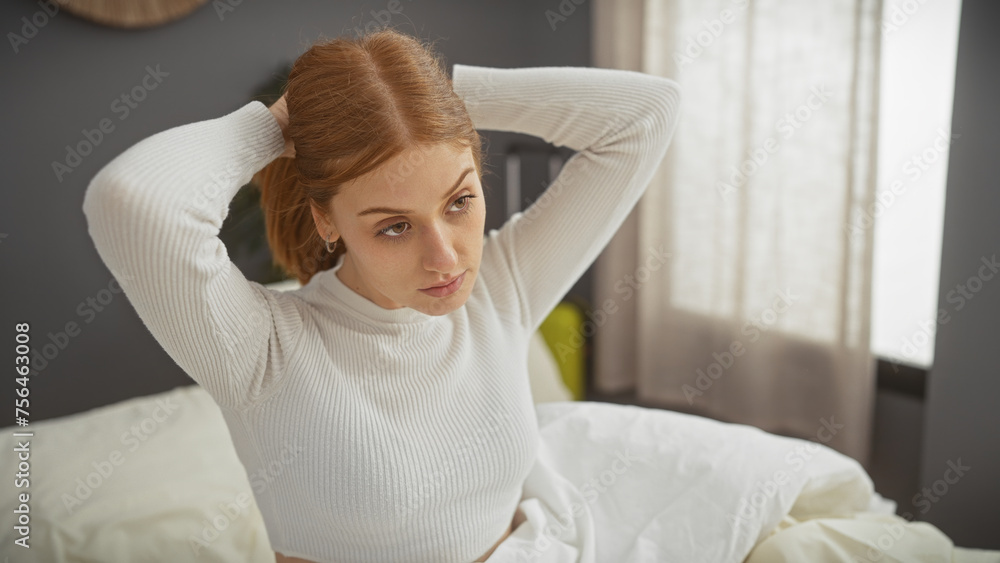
(291, 231)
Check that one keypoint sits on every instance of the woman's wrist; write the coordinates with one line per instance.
(280, 112)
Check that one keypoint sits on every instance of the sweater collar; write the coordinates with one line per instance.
(361, 305)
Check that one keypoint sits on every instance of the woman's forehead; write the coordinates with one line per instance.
(417, 177)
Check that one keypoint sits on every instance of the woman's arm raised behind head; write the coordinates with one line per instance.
(619, 122)
(154, 213)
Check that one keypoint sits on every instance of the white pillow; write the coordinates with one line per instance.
(152, 478)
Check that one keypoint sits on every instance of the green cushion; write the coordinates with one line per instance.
(563, 332)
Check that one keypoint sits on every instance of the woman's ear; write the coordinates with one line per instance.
(326, 229)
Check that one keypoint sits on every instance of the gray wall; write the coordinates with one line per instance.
(66, 78)
(962, 419)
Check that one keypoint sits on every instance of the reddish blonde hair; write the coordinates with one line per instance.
(353, 104)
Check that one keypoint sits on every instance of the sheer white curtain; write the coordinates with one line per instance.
(760, 314)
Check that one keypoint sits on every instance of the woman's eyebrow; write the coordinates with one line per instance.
(390, 211)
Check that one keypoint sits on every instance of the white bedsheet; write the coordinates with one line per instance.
(655, 485)
(156, 479)
(698, 490)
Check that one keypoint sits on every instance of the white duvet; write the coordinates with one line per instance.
(156, 479)
(624, 483)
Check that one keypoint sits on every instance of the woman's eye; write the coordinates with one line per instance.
(391, 231)
(394, 231)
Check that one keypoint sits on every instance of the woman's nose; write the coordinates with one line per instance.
(439, 251)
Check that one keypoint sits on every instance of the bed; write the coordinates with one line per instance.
(156, 478)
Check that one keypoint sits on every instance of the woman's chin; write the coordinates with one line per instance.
(442, 306)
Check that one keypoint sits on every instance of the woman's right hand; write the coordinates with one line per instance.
(280, 112)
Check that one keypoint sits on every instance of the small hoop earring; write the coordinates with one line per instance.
(328, 249)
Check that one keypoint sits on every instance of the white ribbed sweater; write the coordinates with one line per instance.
(372, 434)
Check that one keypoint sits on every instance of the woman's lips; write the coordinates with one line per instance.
(446, 290)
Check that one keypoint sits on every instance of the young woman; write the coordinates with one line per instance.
(387, 401)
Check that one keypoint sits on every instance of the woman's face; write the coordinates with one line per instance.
(411, 224)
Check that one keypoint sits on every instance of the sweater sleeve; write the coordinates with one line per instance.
(619, 122)
(154, 213)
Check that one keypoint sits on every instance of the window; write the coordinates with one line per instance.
(919, 45)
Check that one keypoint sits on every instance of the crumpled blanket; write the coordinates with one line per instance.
(622, 483)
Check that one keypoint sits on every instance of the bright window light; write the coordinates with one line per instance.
(919, 44)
